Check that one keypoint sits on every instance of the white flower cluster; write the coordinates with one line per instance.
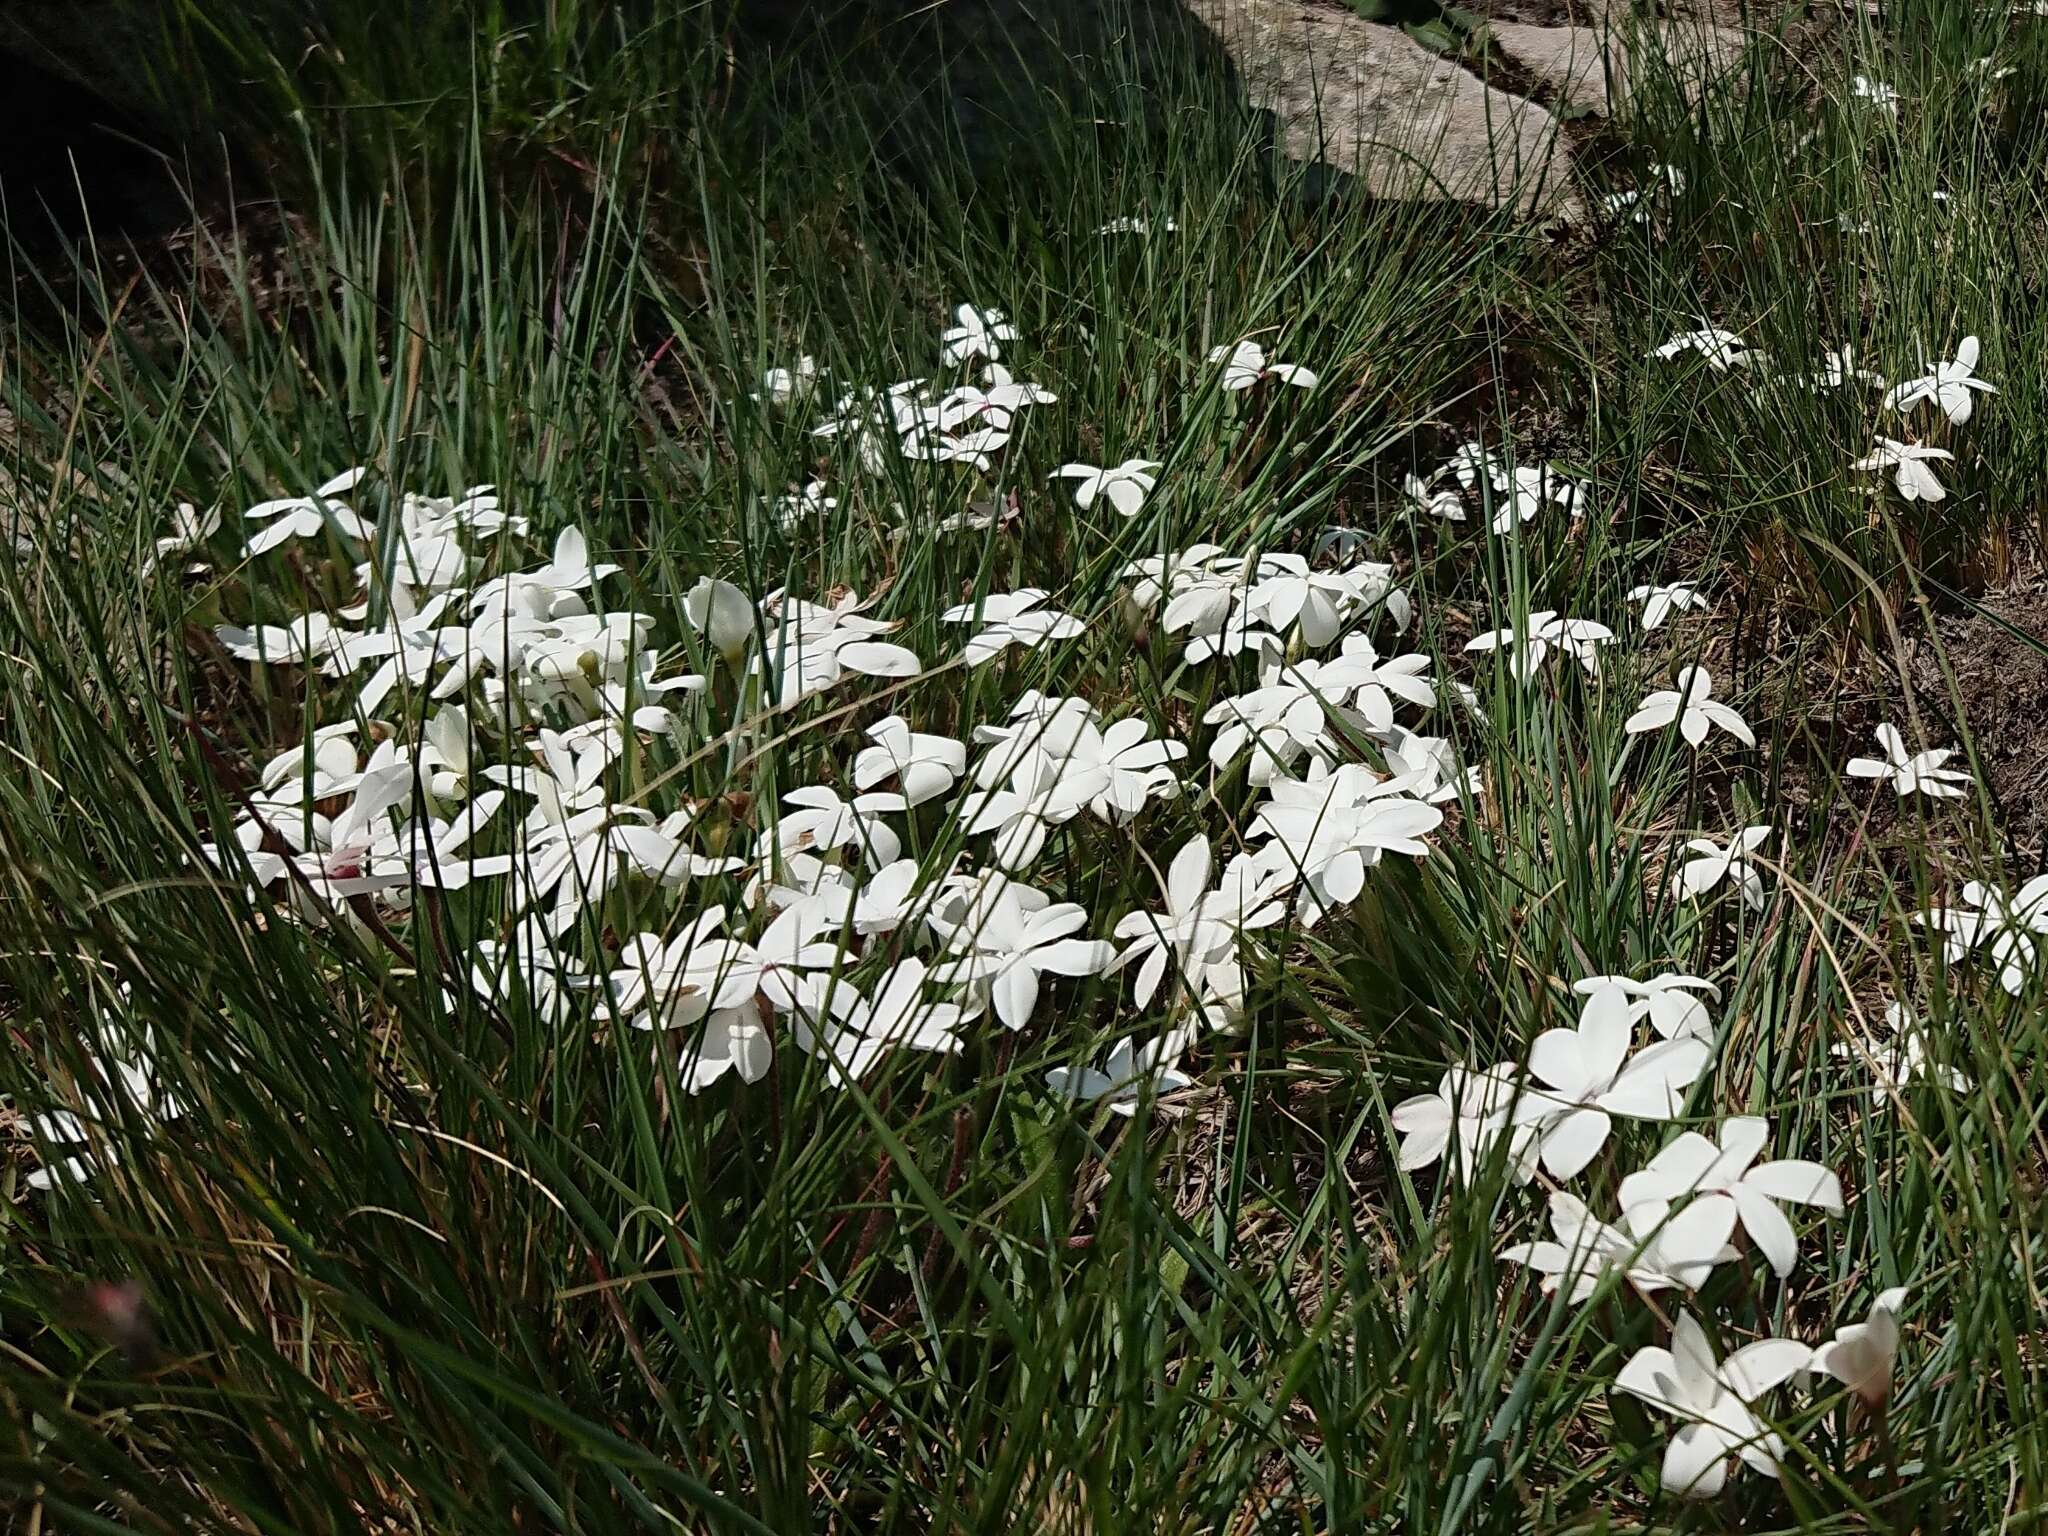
(1949, 383)
(1679, 1215)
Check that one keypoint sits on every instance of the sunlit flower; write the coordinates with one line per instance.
(924, 767)
(1898, 1063)
(1244, 365)
(1694, 1166)
(1659, 603)
(1467, 1117)
(1130, 1072)
(976, 333)
(1712, 864)
(1125, 486)
(1584, 1076)
(1529, 645)
(1328, 832)
(1909, 465)
(723, 614)
(1692, 707)
(1200, 928)
(1666, 1000)
(822, 821)
(1655, 1251)
(852, 1032)
(306, 517)
(1720, 350)
(1714, 1402)
(1011, 618)
(1861, 1355)
(1988, 919)
(1447, 504)
(1911, 773)
(1947, 383)
(1008, 945)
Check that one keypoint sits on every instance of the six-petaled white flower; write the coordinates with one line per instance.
(1911, 773)
(1714, 1402)
(1692, 707)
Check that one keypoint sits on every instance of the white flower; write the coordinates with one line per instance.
(1659, 603)
(1713, 1401)
(1277, 724)
(1861, 1355)
(1008, 944)
(1899, 1063)
(722, 613)
(1127, 1074)
(1529, 645)
(304, 517)
(128, 1079)
(924, 767)
(1911, 773)
(1693, 1165)
(977, 333)
(190, 528)
(1244, 364)
(810, 503)
(1721, 350)
(852, 1033)
(782, 386)
(1125, 485)
(1011, 618)
(813, 647)
(1134, 224)
(1654, 1250)
(1200, 929)
(1692, 706)
(1838, 368)
(822, 821)
(1520, 493)
(1876, 93)
(1329, 831)
(2002, 923)
(1713, 864)
(1585, 1075)
(1908, 463)
(1467, 1116)
(1666, 1000)
(995, 406)
(1117, 768)
(1948, 383)
(1446, 504)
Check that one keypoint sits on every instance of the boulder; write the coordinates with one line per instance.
(1368, 100)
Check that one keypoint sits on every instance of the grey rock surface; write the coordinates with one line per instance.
(1368, 100)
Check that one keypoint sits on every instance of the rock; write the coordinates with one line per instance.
(1368, 100)
(1587, 68)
